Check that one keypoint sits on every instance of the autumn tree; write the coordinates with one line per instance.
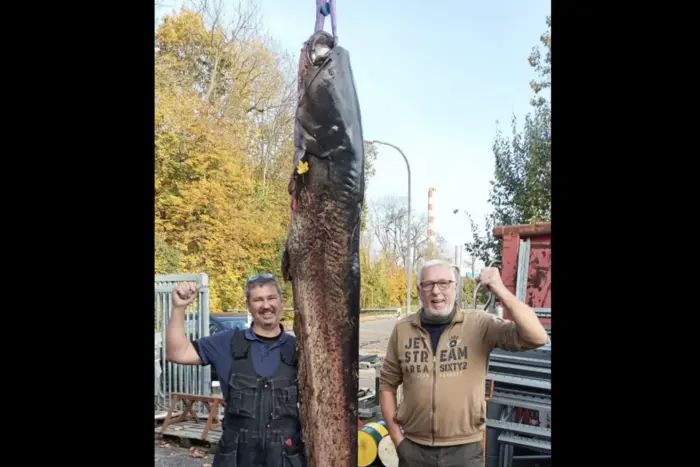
(211, 83)
(384, 270)
(225, 105)
(388, 221)
(167, 258)
(439, 249)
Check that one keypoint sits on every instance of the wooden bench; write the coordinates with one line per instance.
(188, 413)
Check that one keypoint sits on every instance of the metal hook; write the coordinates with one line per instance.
(326, 8)
(491, 298)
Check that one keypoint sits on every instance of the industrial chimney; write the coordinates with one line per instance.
(431, 218)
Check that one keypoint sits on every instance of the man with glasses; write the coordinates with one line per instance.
(440, 354)
(258, 369)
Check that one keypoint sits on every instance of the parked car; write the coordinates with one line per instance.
(223, 321)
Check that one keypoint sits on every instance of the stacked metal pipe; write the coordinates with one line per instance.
(519, 409)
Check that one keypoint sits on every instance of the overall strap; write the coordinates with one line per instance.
(240, 346)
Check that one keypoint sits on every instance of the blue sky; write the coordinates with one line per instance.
(433, 78)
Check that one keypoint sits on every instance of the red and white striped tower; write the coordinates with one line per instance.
(431, 217)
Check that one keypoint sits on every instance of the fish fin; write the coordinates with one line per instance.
(286, 265)
(292, 186)
(292, 189)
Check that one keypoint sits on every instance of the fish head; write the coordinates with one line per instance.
(329, 150)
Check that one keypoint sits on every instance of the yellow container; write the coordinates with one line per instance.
(368, 438)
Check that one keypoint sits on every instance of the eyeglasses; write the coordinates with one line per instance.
(264, 276)
(442, 285)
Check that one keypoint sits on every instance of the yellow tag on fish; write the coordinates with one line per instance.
(303, 167)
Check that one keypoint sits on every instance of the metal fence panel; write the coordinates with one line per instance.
(191, 379)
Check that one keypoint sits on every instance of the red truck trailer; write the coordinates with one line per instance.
(533, 277)
(518, 420)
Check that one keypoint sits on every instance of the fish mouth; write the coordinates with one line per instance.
(320, 47)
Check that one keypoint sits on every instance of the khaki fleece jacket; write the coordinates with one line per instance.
(443, 394)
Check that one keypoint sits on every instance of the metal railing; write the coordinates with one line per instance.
(191, 379)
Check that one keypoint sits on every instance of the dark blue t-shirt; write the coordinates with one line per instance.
(435, 331)
(216, 350)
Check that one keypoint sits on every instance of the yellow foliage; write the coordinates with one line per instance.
(396, 285)
(303, 167)
(205, 182)
(223, 134)
(384, 283)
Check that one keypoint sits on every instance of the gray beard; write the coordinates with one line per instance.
(438, 313)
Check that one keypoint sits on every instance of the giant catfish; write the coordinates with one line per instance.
(321, 256)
